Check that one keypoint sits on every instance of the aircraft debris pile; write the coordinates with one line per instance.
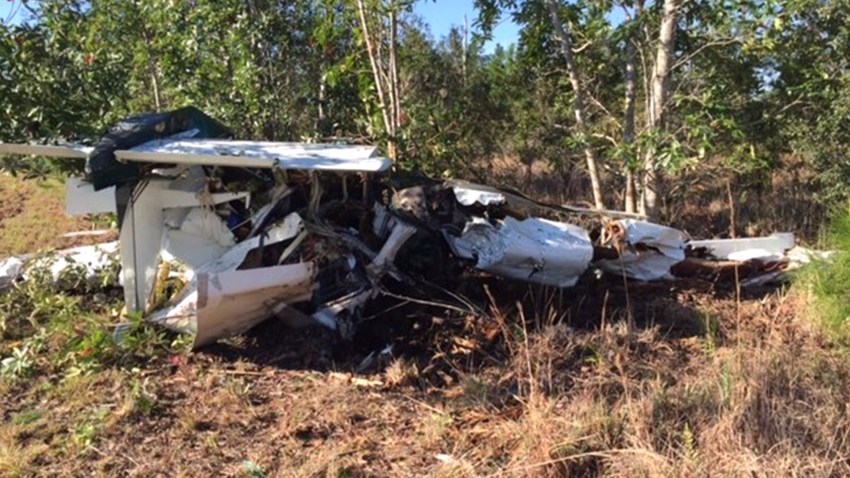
(218, 235)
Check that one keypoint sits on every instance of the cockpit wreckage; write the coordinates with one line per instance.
(217, 235)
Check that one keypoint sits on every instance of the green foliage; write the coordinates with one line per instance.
(251, 469)
(77, 67)
(89, 426)
(829, 281)
(749, 81)
(689, 444)
(48, 328)
(825, 141)
(454, 110)
(17, 365)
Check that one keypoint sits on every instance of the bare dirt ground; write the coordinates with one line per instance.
(605, 379)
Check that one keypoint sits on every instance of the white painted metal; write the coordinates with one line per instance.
(468, 196)
(533, 250)
(74, 151)
(143, 234)
(83, 262)
(771, 247)
(81, 198)
(258, 154)
(201, 237)
(230, 260)
(662, 248)
(219, 300)
(10, 269)
(141, 237)
(210, 152)
(221, 304)
(172, 198)
(89, 261)
(187, 249)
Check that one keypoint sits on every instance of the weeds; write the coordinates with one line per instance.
(828, 281)
(50, 328)
(18, 365)
(85, 432)
(252, 470)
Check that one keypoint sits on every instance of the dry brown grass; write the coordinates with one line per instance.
(641, 405)
(33, 218)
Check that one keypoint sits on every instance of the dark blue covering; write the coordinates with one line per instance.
(105, 171)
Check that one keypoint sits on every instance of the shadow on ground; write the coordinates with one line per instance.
(448, 343)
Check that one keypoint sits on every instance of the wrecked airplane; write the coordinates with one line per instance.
(217, 235)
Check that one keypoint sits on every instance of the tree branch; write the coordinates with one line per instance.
(604, 109)
(688, 57)
(373, 61)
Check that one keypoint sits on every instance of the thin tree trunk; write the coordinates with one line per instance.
(658, 103)
(152, 70)
(386, 108)
(155, 85)
(321, 120)
(465, 49)
(563, 38)
(631, 197)
(645, 83)
(629, 120)
(396, 101)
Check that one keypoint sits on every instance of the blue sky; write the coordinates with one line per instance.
(6, 7)
(439, 14)
(442, 14)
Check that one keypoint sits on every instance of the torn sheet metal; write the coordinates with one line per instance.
(94, 259)
(218, 300)
(159, 206)
(776, 270)
(755, 261)
(397, 233)
(201, 237)
(65, 267)
(327, 314)
(647, 251)
(468, 195)
(770, 248)
(220, 304)
(799, 256)
(400, 234)
(291, 226)
(533, 250)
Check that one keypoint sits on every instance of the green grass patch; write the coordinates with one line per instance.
(828, 280)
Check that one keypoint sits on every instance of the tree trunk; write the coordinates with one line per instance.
(565, 42)
(386, 105)
(631, 196)
(396, 100)
(629, 119)
(152, 62)
(465, 49)
(658, 103)
(322, 129)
